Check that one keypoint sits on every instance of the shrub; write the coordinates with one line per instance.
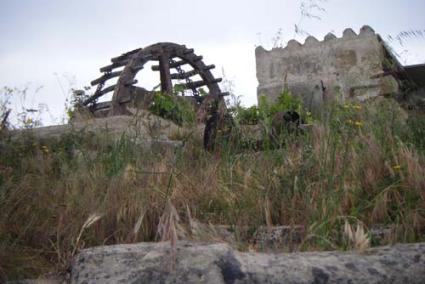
(265, 110)
(175, 108)
(249, 115)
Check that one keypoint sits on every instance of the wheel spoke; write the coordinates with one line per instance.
(164, 70)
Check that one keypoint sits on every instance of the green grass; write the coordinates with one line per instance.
(356, 163)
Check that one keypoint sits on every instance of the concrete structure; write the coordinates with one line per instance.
(354, 66)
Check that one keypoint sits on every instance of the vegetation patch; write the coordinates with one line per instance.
(174, 108)
(357, 167)
(265, 110)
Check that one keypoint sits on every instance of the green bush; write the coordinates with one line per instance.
(173, 108)
(249, 115)
(286, 102)
(266, 110)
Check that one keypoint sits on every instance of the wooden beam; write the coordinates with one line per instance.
(125, 55)
(105, 77)
(178, 63)
(188, 51)
(209, 67)
(124, 62)
(164, 70)
(106, 90)
(185, 75)
(197, 58)
(197, 84)
(114, 65)
(134, 82)
(102, 105)
(137, 67)
(172, 65)
(99, 94)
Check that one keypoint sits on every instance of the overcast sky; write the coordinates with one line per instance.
(60, 44)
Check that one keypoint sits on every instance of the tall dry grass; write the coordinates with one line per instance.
(356, 165)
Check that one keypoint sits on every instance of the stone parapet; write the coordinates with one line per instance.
(351, 66)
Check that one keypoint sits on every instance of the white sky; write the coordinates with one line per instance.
(59, 44)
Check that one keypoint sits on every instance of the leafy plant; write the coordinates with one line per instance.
(265, 110)
(250, 115)
(173, 108)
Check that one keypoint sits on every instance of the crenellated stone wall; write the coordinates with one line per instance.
(352, 66)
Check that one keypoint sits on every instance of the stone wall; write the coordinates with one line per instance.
(353, 66)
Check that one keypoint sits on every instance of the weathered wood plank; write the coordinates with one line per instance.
(166, 83)
(125, 55)
(106, 90)
(172, 65)
(99, 94)
(125, 61)
(188, 51)
(177, 63)
(197, 84)
(105, 77)
(184, 75)
(114, 65)
(197, 58)
(209, 67)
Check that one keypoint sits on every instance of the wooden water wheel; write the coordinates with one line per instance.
(171, 59)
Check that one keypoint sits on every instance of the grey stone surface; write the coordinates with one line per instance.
(143, 127)
(350, 66)
(219, 263)
(144, 124)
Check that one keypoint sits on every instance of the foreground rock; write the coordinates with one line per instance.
(218, 263)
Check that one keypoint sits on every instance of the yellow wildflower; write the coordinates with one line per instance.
(358, 123)
(396, 167)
